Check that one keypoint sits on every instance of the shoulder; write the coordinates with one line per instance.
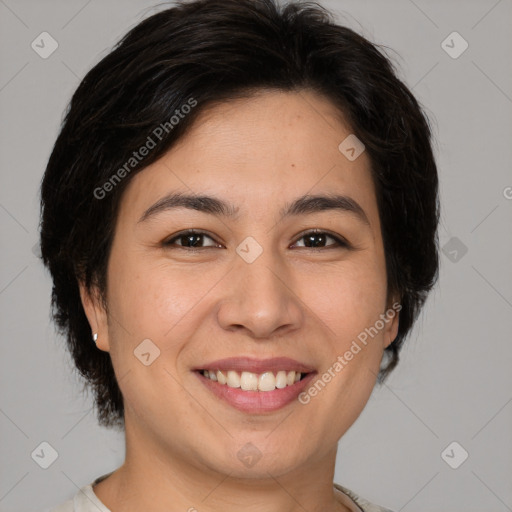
(85, 500)
(363, 504)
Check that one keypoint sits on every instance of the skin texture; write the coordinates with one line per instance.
(308, 304)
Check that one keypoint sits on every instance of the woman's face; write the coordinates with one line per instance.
(254, 284)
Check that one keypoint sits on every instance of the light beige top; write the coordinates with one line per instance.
(85, 500)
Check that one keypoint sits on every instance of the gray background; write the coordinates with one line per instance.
(454, 383)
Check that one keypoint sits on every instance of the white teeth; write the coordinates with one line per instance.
(281, 380)
(221, 378)
(248, 381)
(267, 382)
(233, 379)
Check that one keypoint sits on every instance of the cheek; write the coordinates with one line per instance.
(347, 299)
(153, 298)
(151, 302)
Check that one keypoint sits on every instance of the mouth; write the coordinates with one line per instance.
(249, 381)
(256, 386)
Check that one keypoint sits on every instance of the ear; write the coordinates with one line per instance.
(96, 315)
(392, 314)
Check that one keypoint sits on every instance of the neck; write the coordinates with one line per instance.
(153, 477)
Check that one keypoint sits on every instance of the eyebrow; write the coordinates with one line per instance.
(303, 205)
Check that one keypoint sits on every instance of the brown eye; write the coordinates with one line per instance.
(317, 239)
(190, 239)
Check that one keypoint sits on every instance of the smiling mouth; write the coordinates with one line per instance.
(248, 381)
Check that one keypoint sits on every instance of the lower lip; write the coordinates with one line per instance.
(255, 402)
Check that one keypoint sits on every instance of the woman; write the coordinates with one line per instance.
(240, 219)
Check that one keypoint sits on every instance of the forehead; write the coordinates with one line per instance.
(259, 151)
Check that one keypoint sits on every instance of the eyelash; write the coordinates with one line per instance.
(340, 242)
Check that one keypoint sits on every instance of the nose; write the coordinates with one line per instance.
(260, 298)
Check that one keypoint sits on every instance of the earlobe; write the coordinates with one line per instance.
(392, 331)
(96, 315)
(393, 321)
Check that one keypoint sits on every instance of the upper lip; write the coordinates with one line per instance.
(249, 364)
